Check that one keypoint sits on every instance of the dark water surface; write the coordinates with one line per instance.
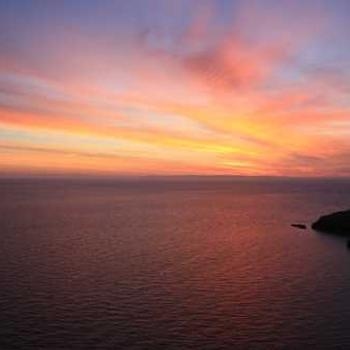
(171, 265)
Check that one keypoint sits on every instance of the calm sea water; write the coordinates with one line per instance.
(171, 265)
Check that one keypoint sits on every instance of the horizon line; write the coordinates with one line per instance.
(133, 177)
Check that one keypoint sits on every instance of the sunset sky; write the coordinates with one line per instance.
(175, 87)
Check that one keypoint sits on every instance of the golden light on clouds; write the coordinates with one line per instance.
(185, 88)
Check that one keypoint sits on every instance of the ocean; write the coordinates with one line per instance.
(177, 263)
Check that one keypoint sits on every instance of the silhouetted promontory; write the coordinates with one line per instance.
(337, 223)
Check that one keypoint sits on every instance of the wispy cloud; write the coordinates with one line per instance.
(235, 87)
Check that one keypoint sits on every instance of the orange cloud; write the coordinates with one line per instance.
(233, 100)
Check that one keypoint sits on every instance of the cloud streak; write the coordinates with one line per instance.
(214, 88)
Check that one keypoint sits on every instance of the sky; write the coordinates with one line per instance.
(170, 87)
